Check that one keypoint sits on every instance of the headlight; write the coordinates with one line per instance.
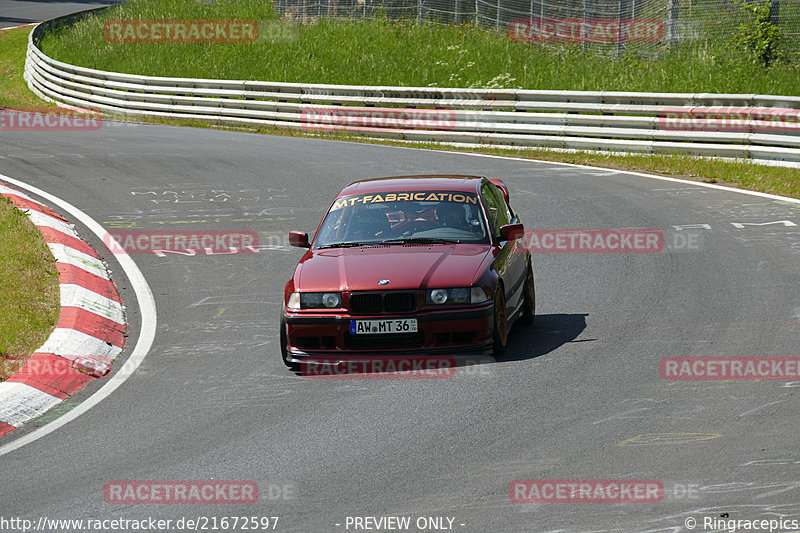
(315, 300)
(294, 301)
(332, 300)
(461, 295)
(437, 296)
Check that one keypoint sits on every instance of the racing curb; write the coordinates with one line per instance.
(90, 332)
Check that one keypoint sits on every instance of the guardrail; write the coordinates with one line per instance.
(745, 126)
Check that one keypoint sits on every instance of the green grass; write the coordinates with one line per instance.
(14, 91)
(380, 52)
(29, 293)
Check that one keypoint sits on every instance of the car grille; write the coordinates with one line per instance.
(366, 303)
(400, 340)
(372, 303)
(399, 302)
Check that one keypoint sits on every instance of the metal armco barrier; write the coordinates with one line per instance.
(746, 126)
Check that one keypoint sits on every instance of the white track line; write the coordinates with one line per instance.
(147, 306)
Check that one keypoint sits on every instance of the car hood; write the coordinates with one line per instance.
(405, 266)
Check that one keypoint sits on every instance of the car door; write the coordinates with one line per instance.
(509, 261)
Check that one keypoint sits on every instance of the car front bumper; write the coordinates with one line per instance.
(452, 332)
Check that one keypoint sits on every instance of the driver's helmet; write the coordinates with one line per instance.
(452, 215)
(369, 224)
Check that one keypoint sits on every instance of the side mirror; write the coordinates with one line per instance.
(511, 232)
(300, 239)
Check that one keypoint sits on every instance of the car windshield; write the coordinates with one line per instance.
(402, 218)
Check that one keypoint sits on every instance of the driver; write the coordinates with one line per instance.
(452, 215)
(367, 224)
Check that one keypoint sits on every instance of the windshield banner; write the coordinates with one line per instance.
(423, 196)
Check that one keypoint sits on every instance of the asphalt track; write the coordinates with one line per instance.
(212, 400)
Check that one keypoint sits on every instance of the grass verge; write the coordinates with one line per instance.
(29, 293)
(14, 91)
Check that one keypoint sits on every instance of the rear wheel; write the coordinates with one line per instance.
(529, 293)
(500, 322)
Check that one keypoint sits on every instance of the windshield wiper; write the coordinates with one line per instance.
(344, 245)
(421, 240)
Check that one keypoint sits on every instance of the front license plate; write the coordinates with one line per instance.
(377, 327)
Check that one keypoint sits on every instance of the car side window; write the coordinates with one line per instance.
(491, 206)
(503, 212)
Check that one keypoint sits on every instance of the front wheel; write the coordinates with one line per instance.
(500, 322)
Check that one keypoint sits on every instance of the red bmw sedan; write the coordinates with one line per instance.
(409, 266)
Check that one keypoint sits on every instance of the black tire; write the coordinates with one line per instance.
(284, 352)
(529, 293)
(500, 322)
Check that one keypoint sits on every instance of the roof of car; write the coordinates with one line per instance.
(431, 182)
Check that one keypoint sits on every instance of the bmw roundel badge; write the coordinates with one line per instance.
(383, 282)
